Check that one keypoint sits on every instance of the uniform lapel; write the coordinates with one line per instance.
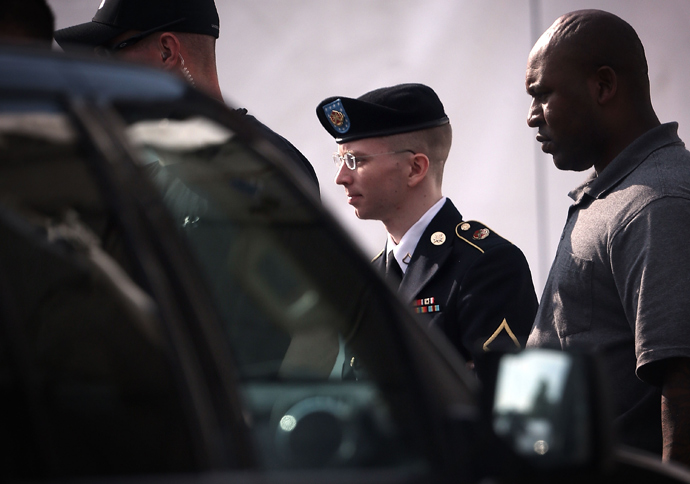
(379, 262)
(429, 257)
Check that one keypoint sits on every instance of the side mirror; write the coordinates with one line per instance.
(549, 410)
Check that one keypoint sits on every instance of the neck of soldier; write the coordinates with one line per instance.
(211, 87)
(409, 210)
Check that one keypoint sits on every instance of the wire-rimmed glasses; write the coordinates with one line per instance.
(350, 159)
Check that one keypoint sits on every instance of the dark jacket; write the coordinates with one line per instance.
(288, 149)
(475, 286)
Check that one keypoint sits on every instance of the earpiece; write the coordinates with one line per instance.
(186, 72)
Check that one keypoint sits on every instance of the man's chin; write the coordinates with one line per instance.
(570, 164)
(362, 215)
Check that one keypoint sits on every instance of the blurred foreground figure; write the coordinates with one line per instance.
(619, 282)
(27, 22)
(175, 35)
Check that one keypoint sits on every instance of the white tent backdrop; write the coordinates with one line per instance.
(280, 58)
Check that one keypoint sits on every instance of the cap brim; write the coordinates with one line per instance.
(90, 34)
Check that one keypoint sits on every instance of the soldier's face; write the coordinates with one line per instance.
(375, 188)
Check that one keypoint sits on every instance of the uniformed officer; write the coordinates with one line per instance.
(177, 36)
(462, 277)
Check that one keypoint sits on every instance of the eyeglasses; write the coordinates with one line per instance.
(104, 51)
(351, 160)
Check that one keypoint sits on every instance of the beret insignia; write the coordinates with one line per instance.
(336, 115)
(337, 118)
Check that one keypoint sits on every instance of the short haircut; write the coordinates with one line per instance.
(203, 46)
(434, 142)
(26, 20)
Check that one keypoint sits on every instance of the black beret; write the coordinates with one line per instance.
(382, 112)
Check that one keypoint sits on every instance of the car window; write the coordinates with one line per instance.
(85, 375)
(296, 307)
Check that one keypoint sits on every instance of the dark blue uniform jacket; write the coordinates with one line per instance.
(476, 287)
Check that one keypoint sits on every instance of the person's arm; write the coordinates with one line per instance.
(675, 411)
(650, 263)
(498, 302)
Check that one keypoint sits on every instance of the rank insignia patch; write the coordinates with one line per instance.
(336, 115)
(481, 234)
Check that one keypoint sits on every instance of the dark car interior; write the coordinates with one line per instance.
(85, 338)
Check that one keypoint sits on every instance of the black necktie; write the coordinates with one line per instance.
(393, 272)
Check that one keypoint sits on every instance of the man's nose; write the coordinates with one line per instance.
(535, 115)
(343, 175)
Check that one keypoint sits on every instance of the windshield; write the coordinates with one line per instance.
(254, 238)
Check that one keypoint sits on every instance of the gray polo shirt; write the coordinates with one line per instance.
(620, 282)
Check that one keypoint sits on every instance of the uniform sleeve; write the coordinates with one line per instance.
(650, 261)
(497, 302)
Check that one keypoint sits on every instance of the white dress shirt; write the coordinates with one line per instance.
(405, 248)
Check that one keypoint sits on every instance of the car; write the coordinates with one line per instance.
(177, 305)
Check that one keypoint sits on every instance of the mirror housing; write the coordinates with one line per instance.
(546, 411)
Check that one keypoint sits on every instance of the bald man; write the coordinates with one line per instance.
(619, 283)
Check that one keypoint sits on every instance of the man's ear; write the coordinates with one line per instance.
(419, 167)
(169, 47)
(606, 84)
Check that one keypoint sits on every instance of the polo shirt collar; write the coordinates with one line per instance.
(627, 161)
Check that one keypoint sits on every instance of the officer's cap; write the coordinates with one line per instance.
(382, 112)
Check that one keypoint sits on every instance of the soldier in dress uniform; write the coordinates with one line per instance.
(460, 276)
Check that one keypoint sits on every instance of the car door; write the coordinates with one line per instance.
(91, 380)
